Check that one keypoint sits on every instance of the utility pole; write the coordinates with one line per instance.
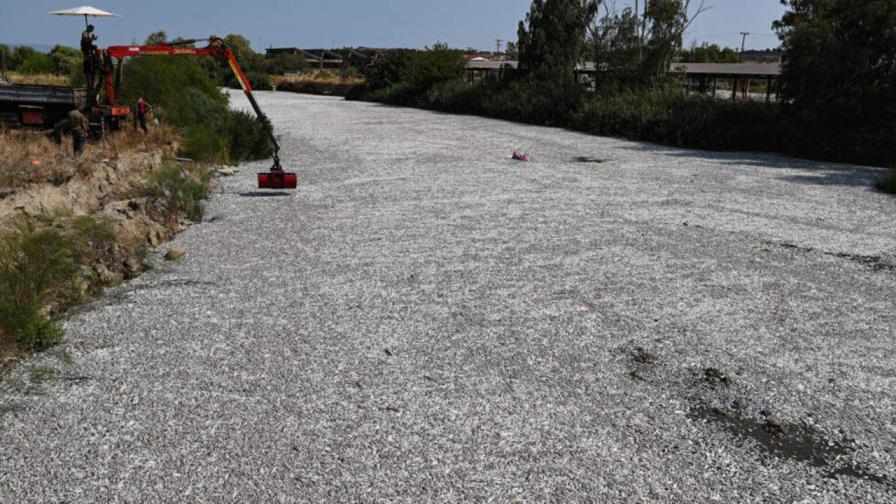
(499, 42)
(743, 43)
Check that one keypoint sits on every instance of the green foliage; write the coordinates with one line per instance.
(887, 183)
(388, 69)
(94, 237)
(38, 270)
(435, 65)
(711, 53)
(535, 101)
(36, 63)
(319, 87)
(286, 63)
(552, 39)
(179, 192)
(182, 93)
(616, 49)
(5, 58)
(840, 77)
(157, 38)
(670, 117)
(66, 60)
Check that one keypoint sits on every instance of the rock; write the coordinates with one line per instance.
(228, 171)
(132, 267)
(175, 254)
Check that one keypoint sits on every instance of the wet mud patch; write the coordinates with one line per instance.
(799, 443)
(875, 263)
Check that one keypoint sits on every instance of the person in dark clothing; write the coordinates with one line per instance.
(88, 48)
(143, 109)
(79, 126)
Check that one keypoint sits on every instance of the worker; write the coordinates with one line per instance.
(143, 109)
(88, 48)
(79, 126)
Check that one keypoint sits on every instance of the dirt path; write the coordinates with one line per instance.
(426, 320)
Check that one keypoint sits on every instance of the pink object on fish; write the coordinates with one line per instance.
(521, 156)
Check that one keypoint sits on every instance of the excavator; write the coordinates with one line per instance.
(114, 114)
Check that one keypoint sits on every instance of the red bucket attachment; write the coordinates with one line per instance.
(278, 180)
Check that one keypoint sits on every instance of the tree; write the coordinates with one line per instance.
(663, 27)
(66, 60)
(616, 46)
(552, 38)
(711, 53)
(157, 38)
(436, 65)
(839, 76)
(512, 52)
(5, 58)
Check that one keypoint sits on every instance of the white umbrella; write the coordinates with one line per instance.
(84, 10)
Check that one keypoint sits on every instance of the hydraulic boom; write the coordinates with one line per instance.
(277, 178)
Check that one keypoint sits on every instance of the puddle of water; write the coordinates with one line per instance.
(792, 442)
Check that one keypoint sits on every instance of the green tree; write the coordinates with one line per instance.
(283, 63)
(616, 47)
(5, 58)
(839, 76)
(552, 38)
(65, 59)
(435, 65)
(388, 68)
(36, 63)
(157, 38)
(711, 53)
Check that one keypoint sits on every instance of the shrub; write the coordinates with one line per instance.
(183, 94)
(38, 276)
(669, 116)
(388, 69)
(887, 183)
(434, 66)
(36, 63)
(179, 193)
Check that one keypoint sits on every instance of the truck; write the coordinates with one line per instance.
(37, 107)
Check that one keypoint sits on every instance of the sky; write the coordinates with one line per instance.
(338, 23)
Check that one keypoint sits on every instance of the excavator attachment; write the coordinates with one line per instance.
(278, 180)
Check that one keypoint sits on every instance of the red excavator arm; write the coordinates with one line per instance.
(277, 178)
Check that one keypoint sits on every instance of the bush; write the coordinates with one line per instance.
(38, 276)
(535, 101)
(670, 117)
(183, 94)
(178, 192)
(388, 69)
(36, 63)
(319, 87)
(434, 66)
(887, 183)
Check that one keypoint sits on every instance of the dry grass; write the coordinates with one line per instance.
(319, 78)
(39, 79)
(30, 157)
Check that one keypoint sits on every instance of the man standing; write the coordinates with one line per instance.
(89, 50)
(79, 126)
(143, 109)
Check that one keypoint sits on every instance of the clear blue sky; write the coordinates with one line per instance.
(336, 23)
